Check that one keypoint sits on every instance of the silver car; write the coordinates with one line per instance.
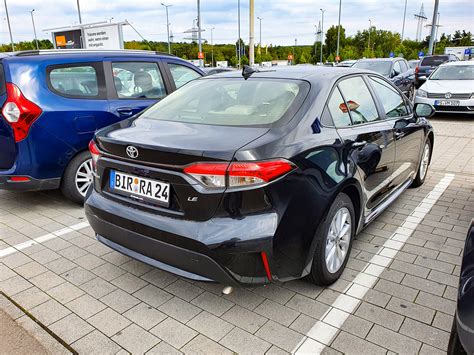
(450, 88)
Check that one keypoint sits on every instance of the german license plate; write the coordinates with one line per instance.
(446, 103)
(139, 188)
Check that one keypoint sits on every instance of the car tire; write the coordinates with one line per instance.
(331, 241)
(77, 178)
(423, 165)
(455, 346)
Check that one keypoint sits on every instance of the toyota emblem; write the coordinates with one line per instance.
(448, 95)
(132, 152)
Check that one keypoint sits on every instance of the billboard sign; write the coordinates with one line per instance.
(103, 37)
(68, 39)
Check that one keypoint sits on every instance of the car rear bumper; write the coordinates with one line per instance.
(465, 106)
(6, 183)
(224, 250)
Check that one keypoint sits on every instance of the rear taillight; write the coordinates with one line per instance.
(417, 69)
(94, 153)
(238, 174)
(19, 112)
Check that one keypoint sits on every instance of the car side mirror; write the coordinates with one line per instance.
(394, 74)
(424, 110)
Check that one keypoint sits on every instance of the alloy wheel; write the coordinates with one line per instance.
(338, 240)
(83, 178)
(425, 160)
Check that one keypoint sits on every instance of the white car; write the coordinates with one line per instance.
(450, 88)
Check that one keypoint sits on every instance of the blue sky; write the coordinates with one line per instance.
(283, 21)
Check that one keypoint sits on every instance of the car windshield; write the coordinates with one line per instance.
(229, 102)
(381, 67)
(434, 61)
(454, 72)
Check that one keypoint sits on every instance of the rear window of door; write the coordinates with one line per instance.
(2, 80)
(396, 68)
(182, 74)
(338, 110)
(77, 80)
(138, 80)
(392, 101)
(359, 101)
(403, 65)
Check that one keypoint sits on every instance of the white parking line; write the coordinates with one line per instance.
(326, 328)
(42, 239)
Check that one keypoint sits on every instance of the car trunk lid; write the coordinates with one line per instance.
(164, 149)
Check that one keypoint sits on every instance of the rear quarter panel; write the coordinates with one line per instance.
(303, 197)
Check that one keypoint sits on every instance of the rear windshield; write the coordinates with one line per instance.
(454, 72)
(382, 67)
(434, 61)
(231, 102)
(2, 80)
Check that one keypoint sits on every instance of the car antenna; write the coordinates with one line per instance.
(247, 71)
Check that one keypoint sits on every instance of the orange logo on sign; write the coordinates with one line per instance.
(201, 55)
(290, 56)
(60, 41)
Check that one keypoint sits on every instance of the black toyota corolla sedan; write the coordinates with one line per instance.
(462, 335)
(254, 177)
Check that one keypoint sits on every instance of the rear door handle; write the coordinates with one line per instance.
(125, 111)
(399, 135)
(359, 144)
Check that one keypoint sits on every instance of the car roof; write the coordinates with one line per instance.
(309, 73)
(379, 59)
(460, 62)
(63, 52)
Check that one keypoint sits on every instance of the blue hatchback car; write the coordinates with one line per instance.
(53, 101)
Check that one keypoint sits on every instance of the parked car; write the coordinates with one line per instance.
(462, 334)
(253, 177)
(396, 70)
(413, 63)
(53, 102)
(428, 64)
(449, 88)
(347, 63)
(216, 70)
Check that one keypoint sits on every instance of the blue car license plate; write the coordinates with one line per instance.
(446, 103)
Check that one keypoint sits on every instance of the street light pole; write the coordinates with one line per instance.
(436, 35)
(168, 27)
(212, 47)
(322, 33)
(79, 12)
(251, 32)
(34, 28)
(433, 27)
(238, 43)
(9, 27)
(370, 28)
(404, 16)
(339, 29)
(260, 19)
(199, 30)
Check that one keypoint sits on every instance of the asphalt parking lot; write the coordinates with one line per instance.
(396, 295)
